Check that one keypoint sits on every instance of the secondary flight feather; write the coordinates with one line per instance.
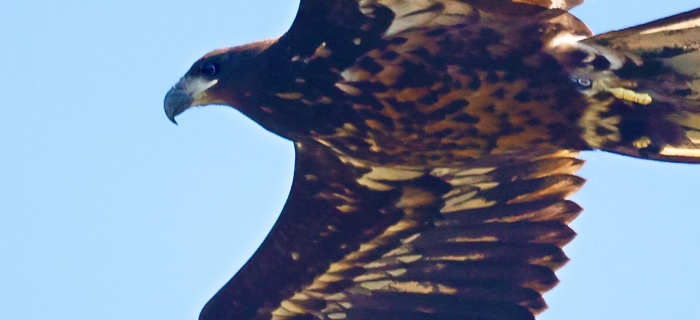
(436, 144)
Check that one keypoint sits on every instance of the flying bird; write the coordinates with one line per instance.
(436, 143)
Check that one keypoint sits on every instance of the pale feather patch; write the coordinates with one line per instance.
(687, 64)
(348, 88)
(374, 185)
(369, 276)
(558, 4)
(424, 13)
(289, 95)
(376, 178)
(423, 287)
(469, 184)
(565, 41)
(197, 88)
(680, 152)
(681, 25)
(408, 14)
(392, 174)
(441, 172)
(281, 314)
(292, 307)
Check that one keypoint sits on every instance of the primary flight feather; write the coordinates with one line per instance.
(436, 145)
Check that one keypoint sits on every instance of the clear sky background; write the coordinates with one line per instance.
(109, 211)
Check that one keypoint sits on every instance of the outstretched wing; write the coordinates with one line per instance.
(385, 243)
(361, 242)
(346, 28)
(308, 234)
(674, 35)
(658, 61)
(366, 234)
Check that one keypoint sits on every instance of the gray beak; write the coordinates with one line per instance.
(189, 92)
(176, 102)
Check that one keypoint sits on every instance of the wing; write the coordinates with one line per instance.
(679, 33)
(383, 243)
(345, 29)
(662, 60)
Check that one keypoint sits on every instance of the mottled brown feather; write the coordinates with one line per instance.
(432, 149)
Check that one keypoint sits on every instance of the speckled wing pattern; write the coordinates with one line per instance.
(356, 243)
(407, 70)
(431, 142)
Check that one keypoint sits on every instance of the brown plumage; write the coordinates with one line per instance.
(436, 144)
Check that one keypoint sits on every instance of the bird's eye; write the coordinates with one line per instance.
(586, 83)
(208, 69)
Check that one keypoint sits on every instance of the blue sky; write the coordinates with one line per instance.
(108, 211)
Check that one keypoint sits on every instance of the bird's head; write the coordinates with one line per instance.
(223, 76)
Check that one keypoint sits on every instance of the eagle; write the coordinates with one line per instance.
(436, 145)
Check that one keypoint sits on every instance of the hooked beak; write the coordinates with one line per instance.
(188, 92)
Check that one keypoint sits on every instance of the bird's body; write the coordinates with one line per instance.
(435, 146)
(445, 95)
